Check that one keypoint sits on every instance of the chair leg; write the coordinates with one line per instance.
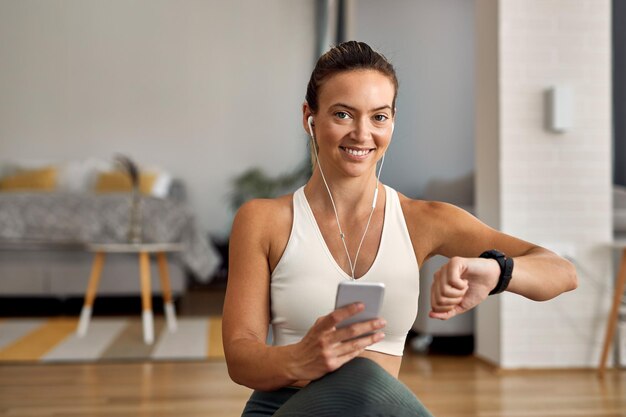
(610, 328)
(90, 295)
(146, 298)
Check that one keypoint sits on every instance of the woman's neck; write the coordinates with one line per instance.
(349, 193)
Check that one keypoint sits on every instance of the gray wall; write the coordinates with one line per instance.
(204, 89)
(431, 44)
(207, 89)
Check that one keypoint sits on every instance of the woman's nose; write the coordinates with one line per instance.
(362, 130)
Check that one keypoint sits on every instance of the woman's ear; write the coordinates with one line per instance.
(306, 115)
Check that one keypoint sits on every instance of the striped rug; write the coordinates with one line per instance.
(108, 339)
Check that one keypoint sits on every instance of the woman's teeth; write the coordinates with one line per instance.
(357, 152)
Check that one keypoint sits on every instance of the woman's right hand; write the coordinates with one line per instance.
(325, 348)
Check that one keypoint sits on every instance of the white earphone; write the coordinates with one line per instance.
(310, 122)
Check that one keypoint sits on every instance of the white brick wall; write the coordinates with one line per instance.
(555, 187)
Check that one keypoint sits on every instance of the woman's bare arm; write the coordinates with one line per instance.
(466, 280)
(246, 307)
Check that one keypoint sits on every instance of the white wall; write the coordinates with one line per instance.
(205, 89)
(488, 322)
(554, 189)
(431, 44)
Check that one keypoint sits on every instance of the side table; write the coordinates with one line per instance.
(143, 250)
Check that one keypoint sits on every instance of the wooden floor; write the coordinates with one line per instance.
(448, 386)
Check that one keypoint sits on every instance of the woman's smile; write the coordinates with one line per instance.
(356, 154)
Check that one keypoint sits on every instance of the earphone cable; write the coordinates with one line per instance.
(369, 219)
(341, 234)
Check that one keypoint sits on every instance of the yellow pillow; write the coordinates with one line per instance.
(43, 179)
(118, 181)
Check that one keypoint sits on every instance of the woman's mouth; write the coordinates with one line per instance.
(356, 152)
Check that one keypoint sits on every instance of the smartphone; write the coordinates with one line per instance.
(369, 293)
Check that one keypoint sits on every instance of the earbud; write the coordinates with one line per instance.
(310, 122)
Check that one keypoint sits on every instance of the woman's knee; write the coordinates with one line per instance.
(367, 372)
(359, 385)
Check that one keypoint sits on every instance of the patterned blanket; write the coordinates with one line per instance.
(75, 218)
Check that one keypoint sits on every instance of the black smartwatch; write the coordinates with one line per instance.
(506, 269)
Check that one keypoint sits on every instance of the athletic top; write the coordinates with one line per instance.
(304, 282)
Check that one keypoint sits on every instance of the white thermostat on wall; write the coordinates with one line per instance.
(560, 108)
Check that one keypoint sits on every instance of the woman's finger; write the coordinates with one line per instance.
(451, 272)
(445, 315)
(331, 320)
(452, 292)
(358, 329)
(446, 302)
(358, 345)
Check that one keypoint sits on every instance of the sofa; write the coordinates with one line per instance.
(49, 211)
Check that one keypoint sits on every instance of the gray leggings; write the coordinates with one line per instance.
(359, 388)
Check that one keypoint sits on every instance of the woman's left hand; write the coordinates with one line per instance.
(462, 284)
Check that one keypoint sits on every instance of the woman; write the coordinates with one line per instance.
(287, 256)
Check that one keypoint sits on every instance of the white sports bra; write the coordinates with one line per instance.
(304, 282)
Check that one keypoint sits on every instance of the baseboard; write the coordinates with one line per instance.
(71, 306)
(444, 345)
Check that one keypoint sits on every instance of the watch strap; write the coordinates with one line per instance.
(506, 269)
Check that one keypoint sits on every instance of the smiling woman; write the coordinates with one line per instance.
(354, 120)
(288, 255)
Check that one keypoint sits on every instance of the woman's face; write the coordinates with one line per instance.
(354, 121)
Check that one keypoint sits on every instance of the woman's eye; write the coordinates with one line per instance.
(342, 115)
(380, 118)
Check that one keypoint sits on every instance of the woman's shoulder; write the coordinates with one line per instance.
(433, 223)
(431, 209)
(266, 222)
(266, 213)
(262, 205)
(431, 213)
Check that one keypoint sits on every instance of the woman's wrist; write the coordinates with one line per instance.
(287, 363)
(494, 273)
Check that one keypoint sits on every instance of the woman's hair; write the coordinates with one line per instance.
(348, 56)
